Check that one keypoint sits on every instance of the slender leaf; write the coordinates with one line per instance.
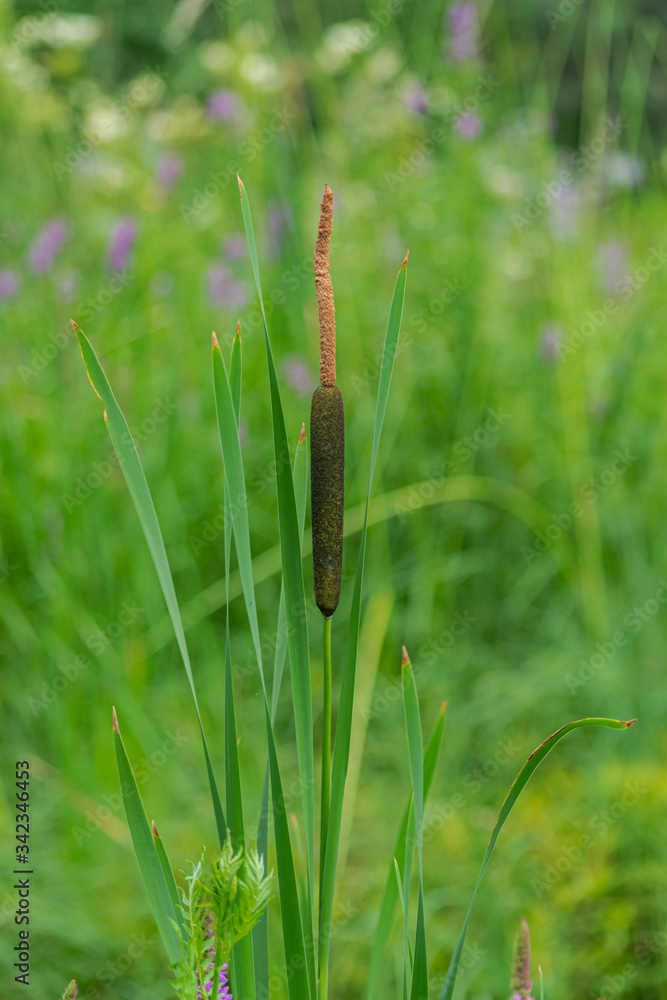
(261, 930)
(121, 437)
(235, 490)
(242, 964)
(296, 960)
(344, 720)
(151, 869)
(518, 785)
(295, 597)
(168, 874)
(419, 988)
(390, 895)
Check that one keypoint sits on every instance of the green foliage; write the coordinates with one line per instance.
(220, 907)
(519, 611)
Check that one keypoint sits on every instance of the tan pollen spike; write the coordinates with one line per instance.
(325, 299)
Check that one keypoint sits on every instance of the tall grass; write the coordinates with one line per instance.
(306, 903)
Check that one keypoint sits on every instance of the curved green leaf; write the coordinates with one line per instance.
(146, 853)
(520, 782)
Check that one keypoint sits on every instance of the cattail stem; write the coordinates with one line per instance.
(326, 747)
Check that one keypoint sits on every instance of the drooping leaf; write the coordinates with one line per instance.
(518, 785)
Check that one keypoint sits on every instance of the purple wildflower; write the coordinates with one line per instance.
(168, 171)
(564, 214)
(67, 286)
(234, 246)
(162, 284)
(121, 243)
(463, 28)
(550, 340)
(222, 991)
(48, 243)
(521, 984)
(280, 220)
(613, 264)
(469, 126)
(221, 105)
(415, 98)
(9, 283)
(297, 375)
(223, 289)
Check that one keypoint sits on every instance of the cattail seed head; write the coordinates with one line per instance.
(327, 435)
(327, 485)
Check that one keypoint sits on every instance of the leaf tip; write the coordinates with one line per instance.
(405, 261)
(238, 331)
(155, 833)
(302, 435)
(405, 659)
(238, 177)
(115, 720)
(214, 340)
(630, 722)
(443, 708)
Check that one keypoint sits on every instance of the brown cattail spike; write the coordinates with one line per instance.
(325, 299)
(327, 490)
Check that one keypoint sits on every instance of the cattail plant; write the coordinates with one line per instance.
(327, 487)
(205, 928)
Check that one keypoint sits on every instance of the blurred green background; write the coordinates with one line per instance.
(518, 150)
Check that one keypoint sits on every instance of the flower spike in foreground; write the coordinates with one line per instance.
(223, 986)
(521, 984)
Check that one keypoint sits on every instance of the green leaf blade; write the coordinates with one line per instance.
(341, 751)
(146, 853)
(517, 787)
(295, 597)
(135, 479)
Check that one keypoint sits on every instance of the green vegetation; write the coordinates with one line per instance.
(516, 523)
